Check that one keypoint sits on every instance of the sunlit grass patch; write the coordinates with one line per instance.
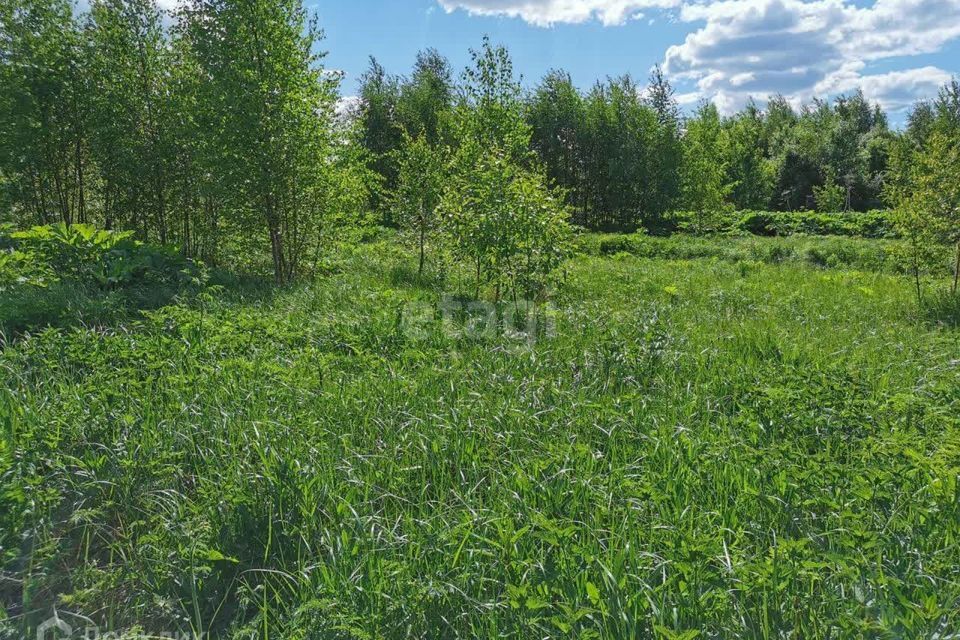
(739, 448)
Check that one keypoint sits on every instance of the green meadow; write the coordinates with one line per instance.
(694, 438)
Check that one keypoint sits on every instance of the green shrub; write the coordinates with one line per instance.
(771, 253)
(860, 254)
(759, 223)
(829, 197)
(104, 259)
(58, 275)
(870, 224)
(612, 244)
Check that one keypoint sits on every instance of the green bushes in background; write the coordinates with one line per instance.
(868, 224)
(58, 274)
(880, 255)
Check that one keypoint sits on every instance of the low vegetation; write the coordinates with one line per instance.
(59, 275)
(735, 447)
(867, 224)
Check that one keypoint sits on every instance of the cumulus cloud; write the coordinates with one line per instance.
(166, 5)
(544, 13)
(742, 49)
(894, 91)
(755, 48)
(904, 27)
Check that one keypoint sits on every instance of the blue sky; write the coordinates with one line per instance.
(722, 50)
(394, 31)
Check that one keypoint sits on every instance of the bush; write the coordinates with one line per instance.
(58, 275)
(703, 222)
(613, 244)
(104, 259)
(504, 221)
(881, 255)
(829, 197)
(759, 223)
(870, 224)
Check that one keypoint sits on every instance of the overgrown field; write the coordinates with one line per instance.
(728, 445)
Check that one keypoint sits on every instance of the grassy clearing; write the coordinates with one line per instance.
(886, 256)
(734, 448)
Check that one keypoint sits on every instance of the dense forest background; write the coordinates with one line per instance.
(627, 156)
(217, 129)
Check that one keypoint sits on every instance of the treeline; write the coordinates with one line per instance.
(211, 128)
(626, 157)
(611, 153)
(215, 128)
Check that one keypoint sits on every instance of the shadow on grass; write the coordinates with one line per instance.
(243, 287)
(405, 274)
(943, 308)
(28, 309)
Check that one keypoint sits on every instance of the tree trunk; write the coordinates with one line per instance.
(162, 212)
(276, 248)
(423, 233)
(916, 271)
(916, 276)
(276, 241)
(65, 217)
(81, 203)
(43, 201)
(956, 271)
(477, 295)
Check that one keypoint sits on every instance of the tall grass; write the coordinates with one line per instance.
(729, 449)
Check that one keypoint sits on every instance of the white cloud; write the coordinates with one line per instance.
(755, 48)
(904, 27)
(166, 5)
(544, 13)
(894, 91)
(347, 106)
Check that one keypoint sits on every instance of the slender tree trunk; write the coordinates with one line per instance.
(61, 197)
(162, 210)
(207, 239)
(916, 271)
(187, 247)
(423, 234)
(276, 240)
(158, 181)
(477, 295)
(108, 207)
(81, 202)
(35, 194)
(276, 248)
(81, 206)
(916, 276)
(956, 271)
(43, 202)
